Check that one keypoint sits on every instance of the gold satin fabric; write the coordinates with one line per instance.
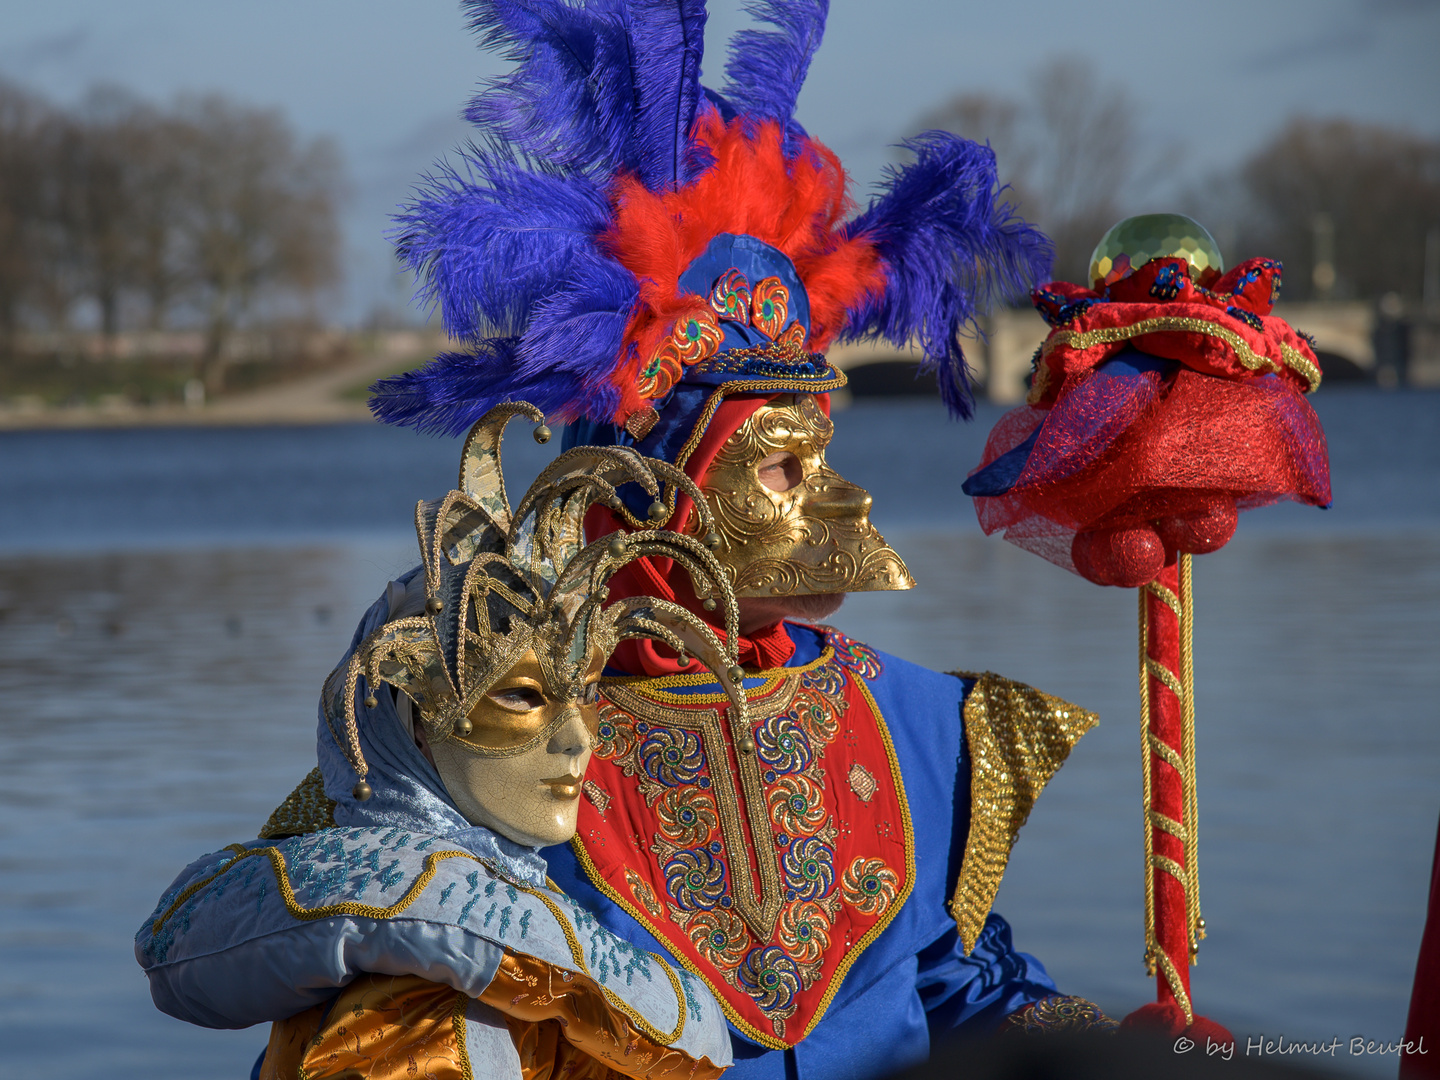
(381, 1027)
(536, 997)
(384, 1027)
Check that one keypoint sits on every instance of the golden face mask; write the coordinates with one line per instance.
(522, 710)
(520, 767)
(814, 537)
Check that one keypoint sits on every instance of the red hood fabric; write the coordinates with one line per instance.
(767, 648)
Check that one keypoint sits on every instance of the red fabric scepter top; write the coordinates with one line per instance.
(1160, 407)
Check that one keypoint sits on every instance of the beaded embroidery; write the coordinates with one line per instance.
(747, 856)
(692, 339)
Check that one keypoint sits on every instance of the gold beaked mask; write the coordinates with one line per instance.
(813, 538)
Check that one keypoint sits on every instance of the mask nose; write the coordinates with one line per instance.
(832, 496)
(572, 738)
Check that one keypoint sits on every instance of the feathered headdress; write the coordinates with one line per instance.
(501, 583)
(622, 234)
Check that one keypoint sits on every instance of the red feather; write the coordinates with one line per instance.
(793, 204)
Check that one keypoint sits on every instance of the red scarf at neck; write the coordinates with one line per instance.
(768, 647)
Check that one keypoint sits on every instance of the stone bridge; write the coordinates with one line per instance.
(1345, 336)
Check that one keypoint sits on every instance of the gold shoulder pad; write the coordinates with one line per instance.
(305, 810)
(1018, 738)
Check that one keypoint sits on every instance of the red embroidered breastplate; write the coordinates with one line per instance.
(765, 873)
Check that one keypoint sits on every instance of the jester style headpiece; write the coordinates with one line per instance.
(502, 584)
(626, 247)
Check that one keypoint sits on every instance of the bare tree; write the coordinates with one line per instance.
(1367, 193)
(257, 217)
(1070, 149)
(99, 173)
(32, 263)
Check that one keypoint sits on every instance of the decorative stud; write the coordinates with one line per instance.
(736, 673)
(464, 726)
(713, 540)
(658, 511)
(362, 791)
(371, 701)
(617, 548)
(709, 604)
(435, 605)
(746, 744)
(542, 434)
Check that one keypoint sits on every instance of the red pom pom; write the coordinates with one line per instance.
(1125, 557)
(1204, 1028)
(1167, 1019)
(1201, 533)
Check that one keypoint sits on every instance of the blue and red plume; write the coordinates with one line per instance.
(555, 256)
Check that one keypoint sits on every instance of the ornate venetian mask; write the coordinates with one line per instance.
(808, 533)
(518, 770)
(502, 665)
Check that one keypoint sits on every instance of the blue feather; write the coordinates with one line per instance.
(950, 246)
(579, 330)
(450, 393)
(668, 38)
(489, 239)
(767, 68)
(570, 100)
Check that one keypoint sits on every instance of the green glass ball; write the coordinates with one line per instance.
(1132, 243)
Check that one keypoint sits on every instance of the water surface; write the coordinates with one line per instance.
(171, 600)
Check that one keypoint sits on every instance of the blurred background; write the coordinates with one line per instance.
(195, 290)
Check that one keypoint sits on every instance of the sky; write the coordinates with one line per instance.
(387, 79)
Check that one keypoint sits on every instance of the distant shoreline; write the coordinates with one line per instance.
(326, 397)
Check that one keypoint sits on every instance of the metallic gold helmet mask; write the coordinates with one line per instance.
(518, 598)
(814, 535)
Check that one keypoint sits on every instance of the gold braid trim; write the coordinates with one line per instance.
(1166, 753)
(305, 810)
(432, 862)
(462, 1048)
(1187, 832)
(1291, 356)
(1165, 596)
(1171, 867)
(1166, 677)
(1169, 825)
(1192, 810)
(1147, 742)
(1172, 978)
(1017, 737)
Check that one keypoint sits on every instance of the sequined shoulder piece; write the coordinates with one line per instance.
(305, 810)
(1018, 738)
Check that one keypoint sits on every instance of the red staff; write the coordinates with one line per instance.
(1165, 400)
